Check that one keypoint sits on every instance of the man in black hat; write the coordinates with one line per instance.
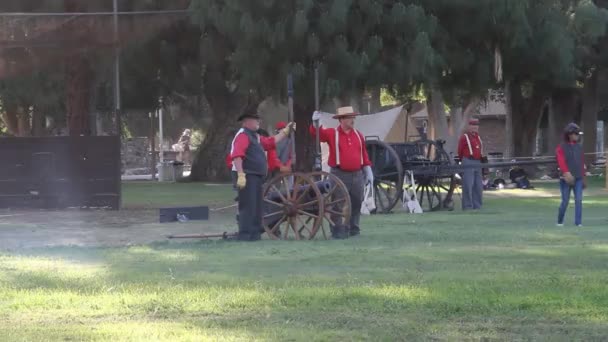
(251, 166)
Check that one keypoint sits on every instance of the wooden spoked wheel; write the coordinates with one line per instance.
(388, 175)
(434, 190)
(293, 207)
(336, 199)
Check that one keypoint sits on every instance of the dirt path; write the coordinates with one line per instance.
(34, 229)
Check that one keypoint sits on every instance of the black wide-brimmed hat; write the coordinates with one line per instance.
(248, 115)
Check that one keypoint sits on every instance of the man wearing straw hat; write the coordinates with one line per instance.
(349, 161)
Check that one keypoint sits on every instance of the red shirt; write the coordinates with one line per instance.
(561, 160)
(352, 150)
(273, 161)
(241, 143)
(476, 146)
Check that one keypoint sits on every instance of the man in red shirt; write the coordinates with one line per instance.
(470, 152)
(249, 162)
(274, 163)
(349, 161)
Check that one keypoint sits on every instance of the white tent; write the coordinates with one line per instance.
(376, 125)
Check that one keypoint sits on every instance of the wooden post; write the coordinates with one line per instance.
(152, 146)
(606, 168)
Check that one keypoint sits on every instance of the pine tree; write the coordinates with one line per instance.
(357, 45)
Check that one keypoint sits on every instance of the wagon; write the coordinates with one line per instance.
(395, 164)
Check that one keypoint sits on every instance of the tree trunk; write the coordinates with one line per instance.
(305, 144)
(565, 109)
(23, 122)
(438, 119)
(459, 122)
(9, 116)
(526, 113)
(78, 87)
(589, 117)
(509, 144)
(376, 103)
(38, 122)
(79, 75)
(209, 163)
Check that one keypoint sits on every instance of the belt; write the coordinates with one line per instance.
(345, 171)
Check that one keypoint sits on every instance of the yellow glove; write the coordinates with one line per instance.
(288, 128)
(241, 181)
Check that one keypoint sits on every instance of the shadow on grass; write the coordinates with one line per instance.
(503, 274)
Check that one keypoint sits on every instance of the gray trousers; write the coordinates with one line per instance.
(354, 182)
(251, 201)
(472, 185)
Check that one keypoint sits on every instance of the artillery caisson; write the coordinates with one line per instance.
(431, 167)
(426, 160)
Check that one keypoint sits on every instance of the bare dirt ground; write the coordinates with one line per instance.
(97, 228)
(94, 228)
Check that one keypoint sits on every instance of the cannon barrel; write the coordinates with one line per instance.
(432, 168)
(323, 186)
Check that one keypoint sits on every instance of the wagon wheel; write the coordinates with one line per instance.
(435, 190)
(388, 175)
(336, 200)
(292, 210)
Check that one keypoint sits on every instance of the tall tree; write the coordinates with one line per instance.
(358, 45)
(541, 43)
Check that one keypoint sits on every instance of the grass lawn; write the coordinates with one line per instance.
(505, 273)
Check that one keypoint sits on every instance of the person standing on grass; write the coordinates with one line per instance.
(281, 160)
(470, 152)
(274, 163)
(571, 162)
(349, 161)
(249, 161)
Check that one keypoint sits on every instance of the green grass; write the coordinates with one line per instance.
(154, 195)
(506, 273)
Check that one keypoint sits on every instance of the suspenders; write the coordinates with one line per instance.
(337, 139)
(466, 136)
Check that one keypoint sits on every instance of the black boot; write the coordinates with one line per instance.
(339, 232)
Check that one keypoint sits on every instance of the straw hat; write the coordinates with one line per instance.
(345, 112)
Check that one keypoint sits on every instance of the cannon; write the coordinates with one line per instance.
(302, 205)
(432, 168)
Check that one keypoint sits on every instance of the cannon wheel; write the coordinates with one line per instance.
(435, 192)
(338, 208)
(388, 175)
(292, 213)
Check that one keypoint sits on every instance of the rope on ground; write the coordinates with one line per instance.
(223, 208)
